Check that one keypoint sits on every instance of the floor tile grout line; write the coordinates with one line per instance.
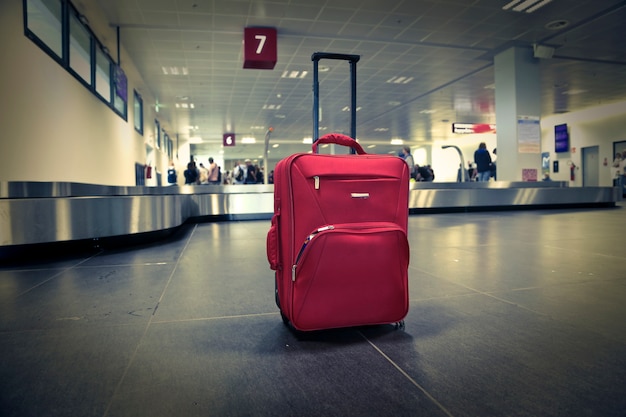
(145, 331)
(69, 268)
(407, 376)
(235, 316)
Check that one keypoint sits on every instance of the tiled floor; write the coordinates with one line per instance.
(519, 313)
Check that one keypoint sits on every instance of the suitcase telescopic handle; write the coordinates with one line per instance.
(352, 59)
(339, 139)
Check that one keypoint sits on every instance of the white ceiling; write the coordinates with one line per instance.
(445, 46)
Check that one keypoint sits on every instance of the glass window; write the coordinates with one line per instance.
(121, 86)
(103, 75)
(44, 21)
(138, 112)
(166, 144)
(80, 49)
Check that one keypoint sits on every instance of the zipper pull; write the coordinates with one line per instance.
(293, 273)
(317, 182)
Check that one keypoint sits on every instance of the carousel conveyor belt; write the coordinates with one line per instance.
(45, 212)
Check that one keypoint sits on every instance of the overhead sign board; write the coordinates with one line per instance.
(468, 128)
(228, 139)
(259, 48)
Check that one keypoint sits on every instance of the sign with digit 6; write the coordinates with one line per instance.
(228, 139)
(259, 48)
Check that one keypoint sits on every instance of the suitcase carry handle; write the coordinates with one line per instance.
(339, 139)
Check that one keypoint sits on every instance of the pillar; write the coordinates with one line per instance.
(518, 108)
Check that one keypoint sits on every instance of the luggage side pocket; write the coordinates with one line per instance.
(272, 244)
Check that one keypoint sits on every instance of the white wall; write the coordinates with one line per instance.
(55, 129)
(597, 126)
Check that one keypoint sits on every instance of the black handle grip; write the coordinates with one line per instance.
(329, 55)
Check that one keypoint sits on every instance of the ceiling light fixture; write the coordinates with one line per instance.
(399, 80)
(397, 142)
(294, 74)
(248, 140)
(527, 6)
(307, 140)
(175, 71)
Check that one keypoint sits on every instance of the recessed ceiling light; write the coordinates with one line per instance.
(276, 145)
(427, 111)
(381, 129)
(307, 140)
(557, 24)
(248, 140)
(396, 142)
(371, 146)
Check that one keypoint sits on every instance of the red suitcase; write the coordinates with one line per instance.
(338, 238)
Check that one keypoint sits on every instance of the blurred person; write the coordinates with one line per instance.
(482, 158)
(214, 172)
(191, 174)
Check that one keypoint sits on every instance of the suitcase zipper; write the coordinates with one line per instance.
(317, 182)
(304, 245)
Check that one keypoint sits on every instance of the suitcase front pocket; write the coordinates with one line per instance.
(349, 275)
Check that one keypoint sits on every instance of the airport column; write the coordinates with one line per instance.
(518, 108)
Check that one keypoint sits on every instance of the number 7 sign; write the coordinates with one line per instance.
(259, 48)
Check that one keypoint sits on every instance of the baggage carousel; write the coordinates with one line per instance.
(48, 212)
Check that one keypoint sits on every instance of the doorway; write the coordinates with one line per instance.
(591, 166)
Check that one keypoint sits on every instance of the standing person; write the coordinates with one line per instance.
(239, 173)
(191, 174)
(494, 171)
(483, 162)
(204, 174)
(214, 172)
(250, 174)
(408, 158)
(471, 171)
(171, 174)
